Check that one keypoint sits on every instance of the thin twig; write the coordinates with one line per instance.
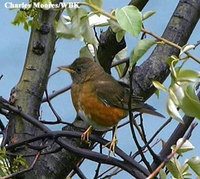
(159, 130)
(2, 127)
(59, 120)
(83, 152)
(155, 172)
(4, 112)
(52, 108)
(72, 173)
(123, 124)
(25, 170)
(155, 157)
(138, 129)
(96, 35)
(31, 155)
(99, 164)
(197, 44)
(171, 44)
(5, 104)
(138, 145)
(53, 95)
(131, 118)
(79, 173)
(153, 137)
(56, 122)
(154, 144)
(119, 62)
(127, 164)
(106, 171)
(142, 129)
(52, 74)
(115, 172)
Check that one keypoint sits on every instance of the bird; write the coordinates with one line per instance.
(101, 100)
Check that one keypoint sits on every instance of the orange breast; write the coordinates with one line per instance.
(96, 113)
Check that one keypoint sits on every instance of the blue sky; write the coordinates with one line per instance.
(14, 43)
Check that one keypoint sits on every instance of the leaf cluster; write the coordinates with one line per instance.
(178, 170)
(182, 90)
(6, 168)
(29, 16)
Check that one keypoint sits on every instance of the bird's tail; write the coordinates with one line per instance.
(145, 108)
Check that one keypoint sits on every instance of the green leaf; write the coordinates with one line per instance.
(171, 59)
(45, 1)
(21, 17)
(172, 111)
(173, 70)
(63, 30)
(186, 48)
(87, 32)
(19, 162)
(190, 103)
(130, 19)
(2, 172)
(162, 174)
(26, 26)
(194, 164)
(188, 75)
(174, 168)
(174, 60)
(185, 169)
(77, 18)
(98, 21)
(80, 28)
(114, 26)
(117, 29)
(98, 3)
(148, 14)
(142, 47)
(176, 93)
(85, 52)
(159, 86)
(120, 55)
(120, 35)
(157, 93)
(187, 146)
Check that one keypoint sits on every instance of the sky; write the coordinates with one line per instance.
(13, 47)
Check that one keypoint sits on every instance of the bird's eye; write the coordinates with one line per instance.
(78, 70)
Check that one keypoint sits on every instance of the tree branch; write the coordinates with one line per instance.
(133, 167)
(178, 31)
(155, 172)
(177, 134)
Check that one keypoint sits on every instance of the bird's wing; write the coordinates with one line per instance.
(115, 95)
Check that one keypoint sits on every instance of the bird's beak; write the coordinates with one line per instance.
(66, 68)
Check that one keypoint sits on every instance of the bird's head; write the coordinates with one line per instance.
(81, 69)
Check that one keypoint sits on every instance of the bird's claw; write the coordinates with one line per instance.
(85, 136)
(112, 146)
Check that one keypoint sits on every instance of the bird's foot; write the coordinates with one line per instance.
(85, 136)
(112, 146)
